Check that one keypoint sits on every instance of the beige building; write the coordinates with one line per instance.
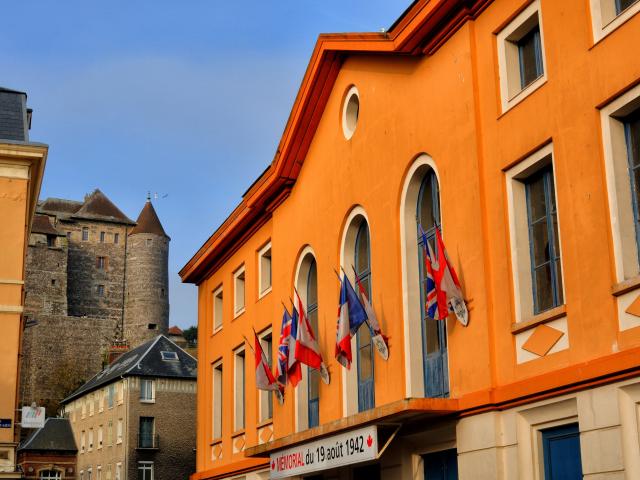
(21, 169)
(136, 418)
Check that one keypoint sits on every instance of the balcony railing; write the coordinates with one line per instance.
(148, 441)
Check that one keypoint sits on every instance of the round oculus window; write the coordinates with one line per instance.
(350, 112)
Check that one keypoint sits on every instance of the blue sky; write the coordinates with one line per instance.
(184, 98)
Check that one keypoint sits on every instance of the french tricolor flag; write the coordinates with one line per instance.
(350, 316)
(307, 350)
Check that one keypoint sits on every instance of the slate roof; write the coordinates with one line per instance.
(56, 435)
(42, 224)
(143, 361)
(148, 222)
(97, 206)
(59, 206)
(13, 115)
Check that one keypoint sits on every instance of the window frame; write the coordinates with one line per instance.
(512, 88)
(217, 397)
(313, 375)
(605, 19)
(217, 309)
(519, 235)
(240, 389)
(85, 234)
(145, 466)
(239, 275)
(265, 402)
(152, 390)
(264, 287)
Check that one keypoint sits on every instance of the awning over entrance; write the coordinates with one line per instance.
(396, 413)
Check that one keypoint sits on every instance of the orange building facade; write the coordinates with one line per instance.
(21, 169)
(514, 125)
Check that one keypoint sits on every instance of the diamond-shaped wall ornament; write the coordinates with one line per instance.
(634, 308)
(217, 452)
(266, 434)
(239, 444)
(542, 340)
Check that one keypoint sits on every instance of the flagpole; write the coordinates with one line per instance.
(355, 273)
(248, 342)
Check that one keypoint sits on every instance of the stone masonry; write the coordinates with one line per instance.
(82, 263)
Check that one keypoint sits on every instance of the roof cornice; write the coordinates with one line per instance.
(421, 30)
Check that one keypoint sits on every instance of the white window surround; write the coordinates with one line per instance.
(239, 391)
(519, 229)
(239, 292)
(301, 396)
(264, 270)
(264, 395)
(217, 309)
(511, 92)
(604, 19)
(147, 396)
(347, 258)
(411, 312)
(350, 112)
(217, 407)
(618, 183)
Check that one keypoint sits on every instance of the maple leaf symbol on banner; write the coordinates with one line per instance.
(369, 441)
(273, 465)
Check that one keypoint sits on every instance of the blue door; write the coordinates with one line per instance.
(434, 332)
(441, 465)
(561, 449)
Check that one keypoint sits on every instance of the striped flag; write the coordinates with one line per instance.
(307, 350)
(431, 291)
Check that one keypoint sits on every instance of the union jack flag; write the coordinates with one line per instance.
(431, 292)
(283, 349)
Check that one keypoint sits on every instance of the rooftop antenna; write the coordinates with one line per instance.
(148, 195)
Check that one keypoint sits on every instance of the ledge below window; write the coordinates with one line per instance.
(625, 286)
(539, 319)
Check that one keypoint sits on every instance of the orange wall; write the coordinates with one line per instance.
(13, 214)
(446, 105)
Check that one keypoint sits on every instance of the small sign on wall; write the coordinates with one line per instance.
(5, 423)
(345, 449)
(32, 417)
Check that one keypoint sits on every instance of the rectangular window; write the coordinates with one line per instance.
(561, 452)
(535, 235)
(264, 266)
(238, 291)
(109, 472)
(100, 290)
(110, 433)
(91, 405)
(102, 237)
(85, 234)
(119, 431)
(99, 473)
(100, 436)
(89, 474)
(116, 238)
(632, 139)
(84, 408)
(530, 55)
(217, 400)
(100, 394)
(608, 15)
(217, 310)
(111, 393)
(266, 398)
(120, 392)
(118, 471)
(146, 433)
(90, 439)
(145, 470)
(82, 444)
(521, 56)
(101, 263)
(239, 390)
(147, 390)
(542, 216)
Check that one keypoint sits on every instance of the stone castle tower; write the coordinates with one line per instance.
(94, 279)
(146, 310)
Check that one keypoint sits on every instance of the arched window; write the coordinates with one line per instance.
(434, 333)
(366, 390)
(313, 374)
(50, 475)
(307, 394)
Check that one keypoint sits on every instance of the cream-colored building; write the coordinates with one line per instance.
(21, 168)
(136, 418)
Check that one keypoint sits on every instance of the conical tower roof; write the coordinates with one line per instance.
(148, 222)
